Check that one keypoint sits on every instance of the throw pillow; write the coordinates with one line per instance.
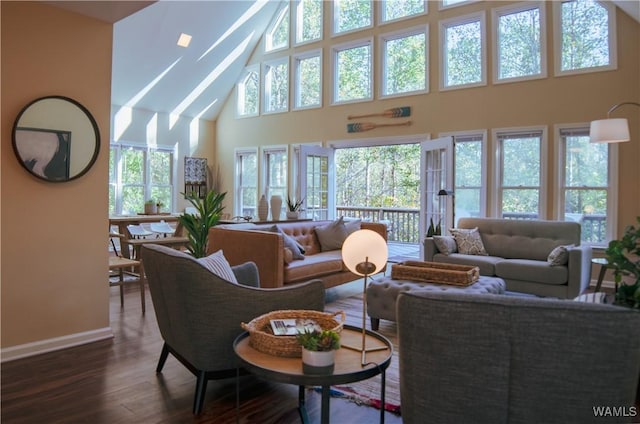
(445, 244)
(289, 242)
(332, 235)
(218, 265)
(598, 297)
(353, 225)
(468, 241)
(559, 255)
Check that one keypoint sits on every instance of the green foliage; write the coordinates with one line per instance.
(319, 341)
(294, 205)
(624, 258)
(197, 226)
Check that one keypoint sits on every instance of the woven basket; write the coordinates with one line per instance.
(261, 336)
(434, 272)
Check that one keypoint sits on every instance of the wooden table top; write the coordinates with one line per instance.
(134, 219)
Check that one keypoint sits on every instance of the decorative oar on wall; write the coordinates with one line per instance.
(366, 126)
(396, 112)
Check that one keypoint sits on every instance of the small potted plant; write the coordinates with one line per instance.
(159, 206)
(623, 257)
(150, 207)
(318, 350)
(294, 207)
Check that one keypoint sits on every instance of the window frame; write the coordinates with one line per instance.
(496, 14)
(557, 42)
(297, 58)
(443, 6)
(496, 135)
(396, 35)
(612, 179)
(334, 21)
(266, 88)
(381, 13)
(265, 151)
(238, 187)
(445, 24)
(241, 91)
(335, 51)
(279, 17)
(298, 20)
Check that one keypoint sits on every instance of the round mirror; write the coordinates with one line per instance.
(56, 138)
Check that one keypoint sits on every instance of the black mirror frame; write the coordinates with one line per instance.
(92, 121)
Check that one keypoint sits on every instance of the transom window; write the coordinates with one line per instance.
(352, 69)
(404, 58)
(277, 35)
(276, 85)
(308, 79)
(392, 10)
(351, 15)
(248, 92)
(309, 18)
(463, 52)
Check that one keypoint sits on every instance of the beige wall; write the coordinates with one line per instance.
(54, 243)
(547, 102)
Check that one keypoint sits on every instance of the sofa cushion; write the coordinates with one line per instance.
(218, 265)
(313, 266)
(445, 244)
(468, 241)
(486, 264)
(332, 235)
(533, 271)
(559, 255)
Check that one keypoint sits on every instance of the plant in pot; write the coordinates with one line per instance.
(150, 207)
(294, 207)
(318, 350)
(623, 257)
(209, 209)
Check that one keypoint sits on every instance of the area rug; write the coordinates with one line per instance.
(367, 392)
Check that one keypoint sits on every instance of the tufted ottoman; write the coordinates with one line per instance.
(383, 293)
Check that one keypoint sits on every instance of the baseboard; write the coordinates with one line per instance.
(57, 343)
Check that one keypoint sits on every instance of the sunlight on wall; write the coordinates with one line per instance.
(152, 131)
(194, 129)
(208, 80)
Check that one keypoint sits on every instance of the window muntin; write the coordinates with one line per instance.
(585, 185)
(275, 172)
(463, 52)
(248, 92)
(351, 15)
(352, 70)
(246, 183)
(277, 35)
(586, 40)
(308, 80)
(520, 170)
(309, 19)
(392, 10)
(276, 85)
(404, 66)
(520, 51)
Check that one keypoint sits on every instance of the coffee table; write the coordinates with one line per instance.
(348, 367)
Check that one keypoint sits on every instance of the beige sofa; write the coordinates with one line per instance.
(241, 243)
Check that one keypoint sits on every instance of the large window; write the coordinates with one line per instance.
(520, 42)
(584, 181)
(276, 85)
(586, 38)
(469, 175)
(520, 174)
(404, 66)
(391, 10)
(309, 18)
(275, 165)
(463, 52)
(352, 70)
(308, 79)
(351, 15)
(277, 35)
(138, 174)
(248, 92)
(246, 182)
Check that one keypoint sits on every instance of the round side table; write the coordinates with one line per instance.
(603, 262)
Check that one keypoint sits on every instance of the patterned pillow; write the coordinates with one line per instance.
(218, 265)
(445, 244)
(468, 241)
(559, 255)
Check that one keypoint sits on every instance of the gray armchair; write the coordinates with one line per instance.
(505, 359)
(199, 314)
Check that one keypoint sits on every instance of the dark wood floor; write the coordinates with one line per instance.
(114, 381)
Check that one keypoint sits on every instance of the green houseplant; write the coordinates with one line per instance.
(208, 214)
(294, 207)
(318, 350)
(624, 258)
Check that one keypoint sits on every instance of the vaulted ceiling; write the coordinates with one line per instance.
(150, 71)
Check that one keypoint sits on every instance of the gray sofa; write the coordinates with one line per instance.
(468, 358)
(518, 251)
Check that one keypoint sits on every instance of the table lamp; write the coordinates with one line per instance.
(364, 253)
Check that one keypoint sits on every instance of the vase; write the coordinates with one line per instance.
(263, 208)
(318, 362)
(150, 209)
(293, 214)
(276, 207)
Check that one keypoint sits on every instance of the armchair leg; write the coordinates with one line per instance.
(163, 357)
(201, 390)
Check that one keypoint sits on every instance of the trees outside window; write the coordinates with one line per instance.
(351, 15)
(246, 182)
(463, 52)
(277, 35)
(352, 69)
(276, 85)
(391, 10)
(586, 40)
(275, 165)
(308, 80)
(520, 42)
(309, 18)
(248, 92)
(469, 175)
(404, 65)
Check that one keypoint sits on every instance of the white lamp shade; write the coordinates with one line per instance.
(364, 246)
(614, 130)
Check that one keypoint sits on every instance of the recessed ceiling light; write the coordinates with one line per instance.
(184, 40)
